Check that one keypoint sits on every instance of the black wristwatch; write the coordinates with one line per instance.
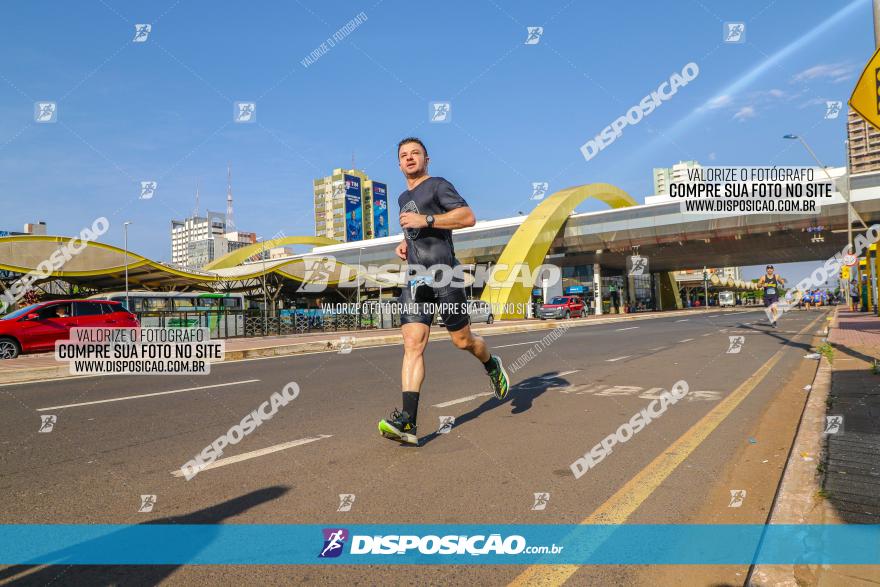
(430, 220)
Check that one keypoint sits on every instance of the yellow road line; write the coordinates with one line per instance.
(631, 495)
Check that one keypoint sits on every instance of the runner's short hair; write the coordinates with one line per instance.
(412, 140)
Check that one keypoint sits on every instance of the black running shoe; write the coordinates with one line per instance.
(398, 427)
(498, 378)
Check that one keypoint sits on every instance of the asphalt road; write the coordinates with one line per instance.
(101, 456)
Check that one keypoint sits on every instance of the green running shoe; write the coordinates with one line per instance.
(398, 427)
(498, 378)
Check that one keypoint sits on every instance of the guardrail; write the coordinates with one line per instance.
(247, 323)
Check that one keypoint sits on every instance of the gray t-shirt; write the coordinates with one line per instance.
(430, 246)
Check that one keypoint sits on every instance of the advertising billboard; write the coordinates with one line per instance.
(354, 216)
(380, 209)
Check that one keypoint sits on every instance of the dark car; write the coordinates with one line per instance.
(35, 328)
(562, 307)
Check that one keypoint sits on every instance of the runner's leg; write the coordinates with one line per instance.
(466, 340)
(415, 339)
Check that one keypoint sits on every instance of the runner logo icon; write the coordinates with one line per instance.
(346, 500)
(47, 423)
(541, 501)
(411, 233)
(833, 424)
(334, 541)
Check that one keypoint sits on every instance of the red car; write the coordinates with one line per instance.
(563, 307)
(35, 328)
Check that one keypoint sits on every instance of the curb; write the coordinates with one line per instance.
(333, 344)
(37, 374)
(797, 500)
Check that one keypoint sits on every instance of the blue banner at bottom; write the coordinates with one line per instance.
(240, 544)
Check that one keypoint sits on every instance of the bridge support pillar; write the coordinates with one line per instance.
(597, 288)
(669, 298)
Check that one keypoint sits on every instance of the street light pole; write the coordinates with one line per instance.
(843, 192)
(265, 300)
(359, 273)
(706, 286)
(877, 23)
(125, 232)
(849, 236)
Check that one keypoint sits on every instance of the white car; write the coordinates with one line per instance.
(726, 298)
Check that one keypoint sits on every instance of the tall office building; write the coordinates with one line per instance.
(192, 229)
(198, 240)
(349, 206)
(663, 176)
(864, 144)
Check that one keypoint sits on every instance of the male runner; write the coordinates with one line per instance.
(771, 284)
(430, 209)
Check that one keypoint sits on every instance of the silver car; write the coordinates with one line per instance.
(480, 311)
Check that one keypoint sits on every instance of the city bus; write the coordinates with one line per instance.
(223, 313)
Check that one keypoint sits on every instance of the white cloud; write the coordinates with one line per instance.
(813, 102)
(836, 72)
(744, 113)
(774, 93)
(718, 102)
(712, 156)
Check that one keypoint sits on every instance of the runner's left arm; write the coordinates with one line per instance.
(457, 218)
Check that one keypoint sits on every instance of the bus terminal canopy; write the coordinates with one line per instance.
(103, 267)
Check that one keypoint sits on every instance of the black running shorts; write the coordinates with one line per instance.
(450, 301)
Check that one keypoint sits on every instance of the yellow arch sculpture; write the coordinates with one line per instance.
(238, 256)
(531, 242)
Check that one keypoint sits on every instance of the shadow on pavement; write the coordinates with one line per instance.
(522, 396)
(852, 457)
(853, 353)
(64, 573)
(780, 336)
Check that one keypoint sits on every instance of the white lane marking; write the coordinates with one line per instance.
(617, 359)
(686, 340)
(119, 399)
(714, 315)
(563, 374)
(708, 334)
(501, 346)
(461, 400)
(257, 453)
(658, 348)
(683, 320)
(628, 328)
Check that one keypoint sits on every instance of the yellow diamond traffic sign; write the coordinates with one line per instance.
(865, 98)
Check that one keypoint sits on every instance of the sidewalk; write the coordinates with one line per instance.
(852, 477)
(833, 475)
(44, 366)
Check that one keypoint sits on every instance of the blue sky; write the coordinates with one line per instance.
(162, 110)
